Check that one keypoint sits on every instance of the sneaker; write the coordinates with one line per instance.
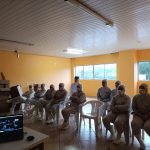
(117, 141)
(39, 118)
(9, 101)
(64, 126)
(49, 122)
(111, 138)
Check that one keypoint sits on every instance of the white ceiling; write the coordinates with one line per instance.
(54, 25)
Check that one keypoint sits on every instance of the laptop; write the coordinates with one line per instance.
(11, 127)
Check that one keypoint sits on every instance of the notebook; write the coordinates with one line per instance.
(11, 127)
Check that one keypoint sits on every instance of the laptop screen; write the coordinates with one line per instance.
(11, 127)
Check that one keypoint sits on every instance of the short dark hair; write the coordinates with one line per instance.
(76, 77)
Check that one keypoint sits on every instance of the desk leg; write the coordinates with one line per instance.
(39, 147)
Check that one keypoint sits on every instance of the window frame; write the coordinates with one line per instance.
(138, 71)
(94, 72)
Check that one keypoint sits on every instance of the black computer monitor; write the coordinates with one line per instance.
(11, 127)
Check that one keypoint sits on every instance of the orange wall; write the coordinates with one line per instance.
(91, 86)
(30, 69)
(126, 74)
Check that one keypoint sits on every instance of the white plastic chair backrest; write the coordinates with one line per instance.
(95, 106)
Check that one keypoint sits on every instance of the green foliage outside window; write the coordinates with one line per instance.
(144, 70)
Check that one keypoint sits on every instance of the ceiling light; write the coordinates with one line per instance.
(89, 10)
(18, 42)
(73, 51)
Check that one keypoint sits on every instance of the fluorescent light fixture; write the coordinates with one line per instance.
(17, 42)
(90, 10)
(74, 51)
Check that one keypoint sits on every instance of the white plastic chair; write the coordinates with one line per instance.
(92, 114)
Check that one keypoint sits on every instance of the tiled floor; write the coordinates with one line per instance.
(70, 139)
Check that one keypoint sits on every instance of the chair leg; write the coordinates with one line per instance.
(77, 120)
(100, 123)
(106, 133)
(143, 134)
(90, 123)
(79, 128)
(57, 116)
(96, 126)
(132, 138)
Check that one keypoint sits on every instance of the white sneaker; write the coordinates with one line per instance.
(49, 121)
(39, 118)
(9, 101)
(111, 138)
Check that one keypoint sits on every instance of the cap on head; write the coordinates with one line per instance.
(143, 86)
(36, 87)
(61, 84)
(118, 82)
(104, 81)
(52, 86)
(42, 85)
(121, 88)
(30, 86)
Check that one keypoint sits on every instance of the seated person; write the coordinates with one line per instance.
(119, 115)
(141, 113)
(103, 94)
(30, 93)
(46, 99)
(76, 99)
(35, 100)
(21, 99)
(59, 96)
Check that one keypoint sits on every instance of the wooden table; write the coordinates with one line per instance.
(37, 143)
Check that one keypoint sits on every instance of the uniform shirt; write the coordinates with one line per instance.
(74, 88)
(103, 94)
(59, 96)
(121, 104)
(49, 94)
(78, 98)
(29, 94)
(39, 94)
(141, 105)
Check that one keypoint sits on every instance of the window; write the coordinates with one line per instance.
(144, 70)
(88, 72)
(79, 71)
(110, 71)
(97, 72)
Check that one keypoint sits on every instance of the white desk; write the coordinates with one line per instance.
(37, 143)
